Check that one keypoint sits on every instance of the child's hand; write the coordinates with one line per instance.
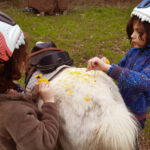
(46, 92)
(105, 60)
(11, 91)
(98, 64)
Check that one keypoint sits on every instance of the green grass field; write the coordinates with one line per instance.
(84, 32)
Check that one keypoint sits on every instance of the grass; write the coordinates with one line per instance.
(84, 32)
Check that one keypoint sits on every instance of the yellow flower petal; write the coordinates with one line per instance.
(107, 61)
(43, 80)
(86, 98)
(69, 93)
(38, 76)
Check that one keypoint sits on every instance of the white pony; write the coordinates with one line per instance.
(93, 115)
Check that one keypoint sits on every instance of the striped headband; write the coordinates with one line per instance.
(11, 37)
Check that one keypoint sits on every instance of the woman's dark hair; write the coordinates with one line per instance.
(12, 69)
(145, 24)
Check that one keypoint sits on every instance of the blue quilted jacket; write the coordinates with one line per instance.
(133, 75)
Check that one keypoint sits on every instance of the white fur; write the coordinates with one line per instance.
(92, 113)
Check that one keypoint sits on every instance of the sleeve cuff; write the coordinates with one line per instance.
(114, 71)
(111, 68)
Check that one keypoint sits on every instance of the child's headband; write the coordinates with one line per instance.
(11, 37)
(142, 11)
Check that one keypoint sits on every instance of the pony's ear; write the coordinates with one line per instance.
(41, 45)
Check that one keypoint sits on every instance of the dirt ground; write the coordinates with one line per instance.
(144, 142)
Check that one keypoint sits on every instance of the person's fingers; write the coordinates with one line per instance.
(103, 59)
(44, 85)
(36, 84)
(89, 65)
(93, 63)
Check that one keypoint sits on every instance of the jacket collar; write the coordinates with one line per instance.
(148, 45)
(31, 97)
(146, 51)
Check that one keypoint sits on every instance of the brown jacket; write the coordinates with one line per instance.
(24, 127)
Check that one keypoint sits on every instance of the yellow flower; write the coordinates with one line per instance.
(43, 80)
(86, 79)
(86, 98)
(68, 86)
(107, 61)
(38, 76)
(86, 74)
(69, 93)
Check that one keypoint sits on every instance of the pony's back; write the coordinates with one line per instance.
(93, 115)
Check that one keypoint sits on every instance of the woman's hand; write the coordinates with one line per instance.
(11, 91)
(45, 92)
(98, 64)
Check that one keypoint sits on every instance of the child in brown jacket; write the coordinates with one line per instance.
(22, 125)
